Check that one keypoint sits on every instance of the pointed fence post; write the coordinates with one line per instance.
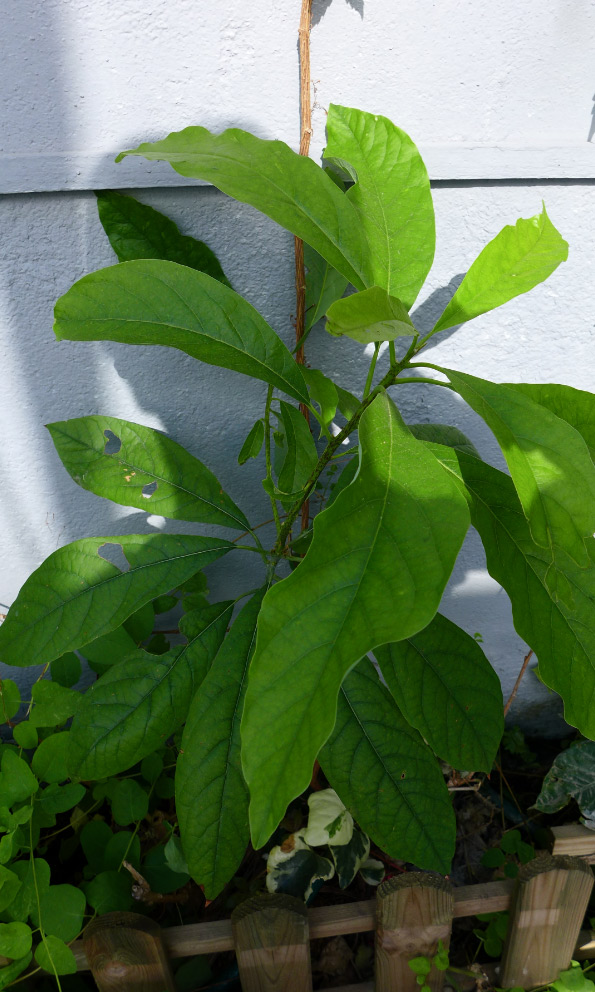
(272, 943)
(126, 954)
(413, 913)
(548, 906)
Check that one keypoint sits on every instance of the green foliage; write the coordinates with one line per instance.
(247, 704)
(422, 966)
(512, 852)
(572, 776)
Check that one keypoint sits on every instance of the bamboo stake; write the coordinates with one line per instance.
(272, 944)
(413, 913)
(547, 912)
(126, 954)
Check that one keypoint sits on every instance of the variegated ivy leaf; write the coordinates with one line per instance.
(372, 871)
(329, 822)
(350, 857)
(294, 868)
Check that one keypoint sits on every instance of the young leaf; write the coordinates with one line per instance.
(54, 956)
(300, 451)
(548, 460)
(142, 700)
(387, 776)
(141, 467)
(561, 631)
(295, 869)
(211, 795)
(252, 446)
(136, 230)
(391, 194)
(515, 261)
(575, 406)
(152, 302)
(323, 392)
(371, 315)
(76, 595)
(324, 285)
(289, 188)
(364, 582)
(446, 688)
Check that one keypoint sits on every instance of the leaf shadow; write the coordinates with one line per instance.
(428, 312)
(320, 7)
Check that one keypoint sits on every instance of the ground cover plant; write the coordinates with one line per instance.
(264, 687)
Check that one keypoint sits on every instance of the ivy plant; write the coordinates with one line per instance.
(340, 654)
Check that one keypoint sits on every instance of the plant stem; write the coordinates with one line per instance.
(372, 369)
(37, 900)
(267, 455)
(392, 353)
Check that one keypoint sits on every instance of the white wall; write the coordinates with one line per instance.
(499, 98)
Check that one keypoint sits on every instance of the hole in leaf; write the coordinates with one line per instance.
(149, 489)
(114, 553)
(113, 443)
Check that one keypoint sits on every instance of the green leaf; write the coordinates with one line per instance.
(175, 857)
(575, 406)
(15, 940)
(295, 869)
(211, 795)
(386, 776)
(289, 188)
(151, 767)
(252, 445)
(95, 837)
(300, 456)
(372, 871)
(10, 698)
(324, 285)
(25, 735)
(444, 434)
(160, 303)
(76, 595)
(34, 879)
(61, 911)
(60, 798)
(350, 857)
(110, 892)
(391, 194)
(510, 841)
(572, 776)
(446, 688)
(136, 230)
(323, 392)
(10, 883)
(53, 704)
(50, 759)
(548, 461)
(493, 858)
(561, 632)
(420, 965)
(17, 782)
(140, 624)
(54, 956)
(141, 467)
(106, 650)
(159, 874)
(66, 670)
(329, 822)
(129, 802)
(372, 315)
(12, 971)
(139, 702)
(364, 582)
(163, 604)
(348, 403)
(515, 261)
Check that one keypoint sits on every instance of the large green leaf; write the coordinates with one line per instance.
(76, 595)
(446, 688)
(549, 462)
(444, 434)
(211, 794)
(139, 466)
(371, 315)
(386, 776)
(142, 700)
(515, 261)
(324, 285)
(553, 602)
(391, 193)
(379, 560)
(136, 230)
(289, 188)
(575, 406)
(572, 776)
(300, 451)
(154, 302)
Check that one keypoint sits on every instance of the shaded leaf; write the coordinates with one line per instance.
(148, 470)
(386, 776)
(324, 285)
(136, 230)
(34, 878)
(446, 688)
(444, 434)
(300, 456)
(364, 582)
(391, 194)
(60, 798)
(50, 759)
(575, 406)
(12, 971)
(61, 911)
(15, 940)
(350, 857)
(252, 446)
(159, 874)
(371, 315)
(129, 802)
(110, 892)
(152, 302)
(323, 392)
(10, 699)
(53, 704)
(10, 883)
(294, 868)
(54, 956)
(17, 781)
(76, 595)
(572, 776)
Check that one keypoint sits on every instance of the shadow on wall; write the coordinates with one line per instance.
(320, 7)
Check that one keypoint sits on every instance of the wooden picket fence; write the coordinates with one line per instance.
(271, 934)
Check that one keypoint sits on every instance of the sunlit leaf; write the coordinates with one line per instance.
(371, 315)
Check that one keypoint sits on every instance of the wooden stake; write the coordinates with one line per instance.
(573, 838)
(272, 943)
(126, 954)
(547, 912)
(413, 913)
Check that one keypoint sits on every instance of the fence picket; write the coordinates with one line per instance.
(125, 952)
(272, 944)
